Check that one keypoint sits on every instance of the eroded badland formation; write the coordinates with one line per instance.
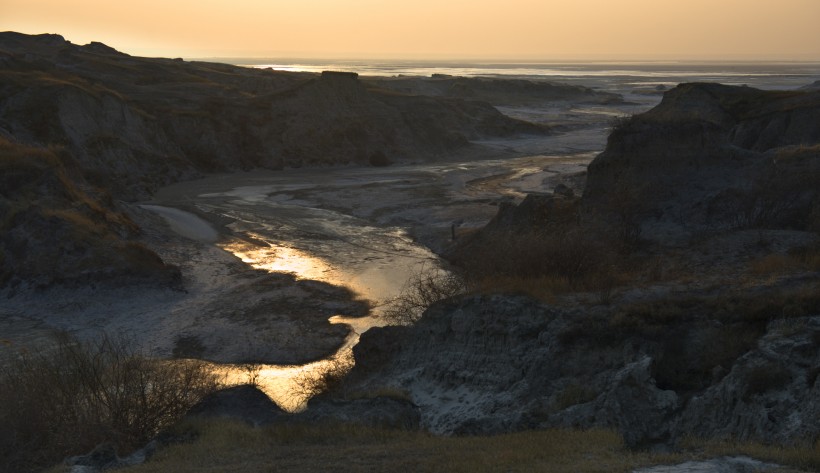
(673, 293)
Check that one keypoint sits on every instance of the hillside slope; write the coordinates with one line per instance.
(711, 156)
(145, 122)
(678, 297)
(84, 127)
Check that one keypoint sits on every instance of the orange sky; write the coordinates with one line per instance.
(498, 29)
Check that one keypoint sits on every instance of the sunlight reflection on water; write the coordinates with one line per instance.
(280, 259)
(288, 385)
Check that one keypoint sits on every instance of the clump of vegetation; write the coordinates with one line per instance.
(66, 398)
(423, 289)
(55, 228)
(804, 258)
(309, 384)
(741, 306)
(546, 264)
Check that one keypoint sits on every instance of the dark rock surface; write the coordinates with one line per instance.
(771, 392)
(104, 458)
(249, 404)
(494, 364)
(719, 354)
(246, 403)
(384, 412)
(709, 157)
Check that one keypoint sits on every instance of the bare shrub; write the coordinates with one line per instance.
(67, 398)
(253, 371)
(309, 384)
(424, 288)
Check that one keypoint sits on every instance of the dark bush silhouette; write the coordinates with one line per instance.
(66, 398)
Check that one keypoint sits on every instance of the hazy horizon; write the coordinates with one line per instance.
(513, 30)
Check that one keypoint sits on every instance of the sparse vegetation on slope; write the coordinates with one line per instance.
(66, 398)
(54, 228)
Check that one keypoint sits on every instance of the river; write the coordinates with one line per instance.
(367, 230)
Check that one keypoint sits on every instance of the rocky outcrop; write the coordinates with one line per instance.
(104, 458)
(712, 157)
(245, 403)
(489, 364)
(249, 404)
(769, 393)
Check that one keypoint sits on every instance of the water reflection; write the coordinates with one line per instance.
(279, 259)
(291, 386)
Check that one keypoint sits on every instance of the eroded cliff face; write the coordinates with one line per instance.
(717, 346)
(142, 122)
(711, 156)
(495, 364)
(57, 229)
(119, 127)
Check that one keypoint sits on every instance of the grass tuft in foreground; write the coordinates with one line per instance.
(227, 446)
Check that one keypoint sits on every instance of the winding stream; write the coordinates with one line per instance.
(349, 227)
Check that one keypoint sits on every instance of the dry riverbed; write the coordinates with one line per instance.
(278, 266)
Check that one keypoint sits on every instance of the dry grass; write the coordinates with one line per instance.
(232, 447)
(797, 260)
(763, 304)
(546, 265)
(545, 289)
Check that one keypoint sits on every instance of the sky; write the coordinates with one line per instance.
(434, 29)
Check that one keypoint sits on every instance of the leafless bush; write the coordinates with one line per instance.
(312, 383)
(67, 398)
(423, 289)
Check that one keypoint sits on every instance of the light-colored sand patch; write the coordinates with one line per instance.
(185, 223)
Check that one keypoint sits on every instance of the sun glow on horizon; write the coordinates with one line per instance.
(426, 29)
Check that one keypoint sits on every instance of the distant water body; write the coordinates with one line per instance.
(769, 75)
